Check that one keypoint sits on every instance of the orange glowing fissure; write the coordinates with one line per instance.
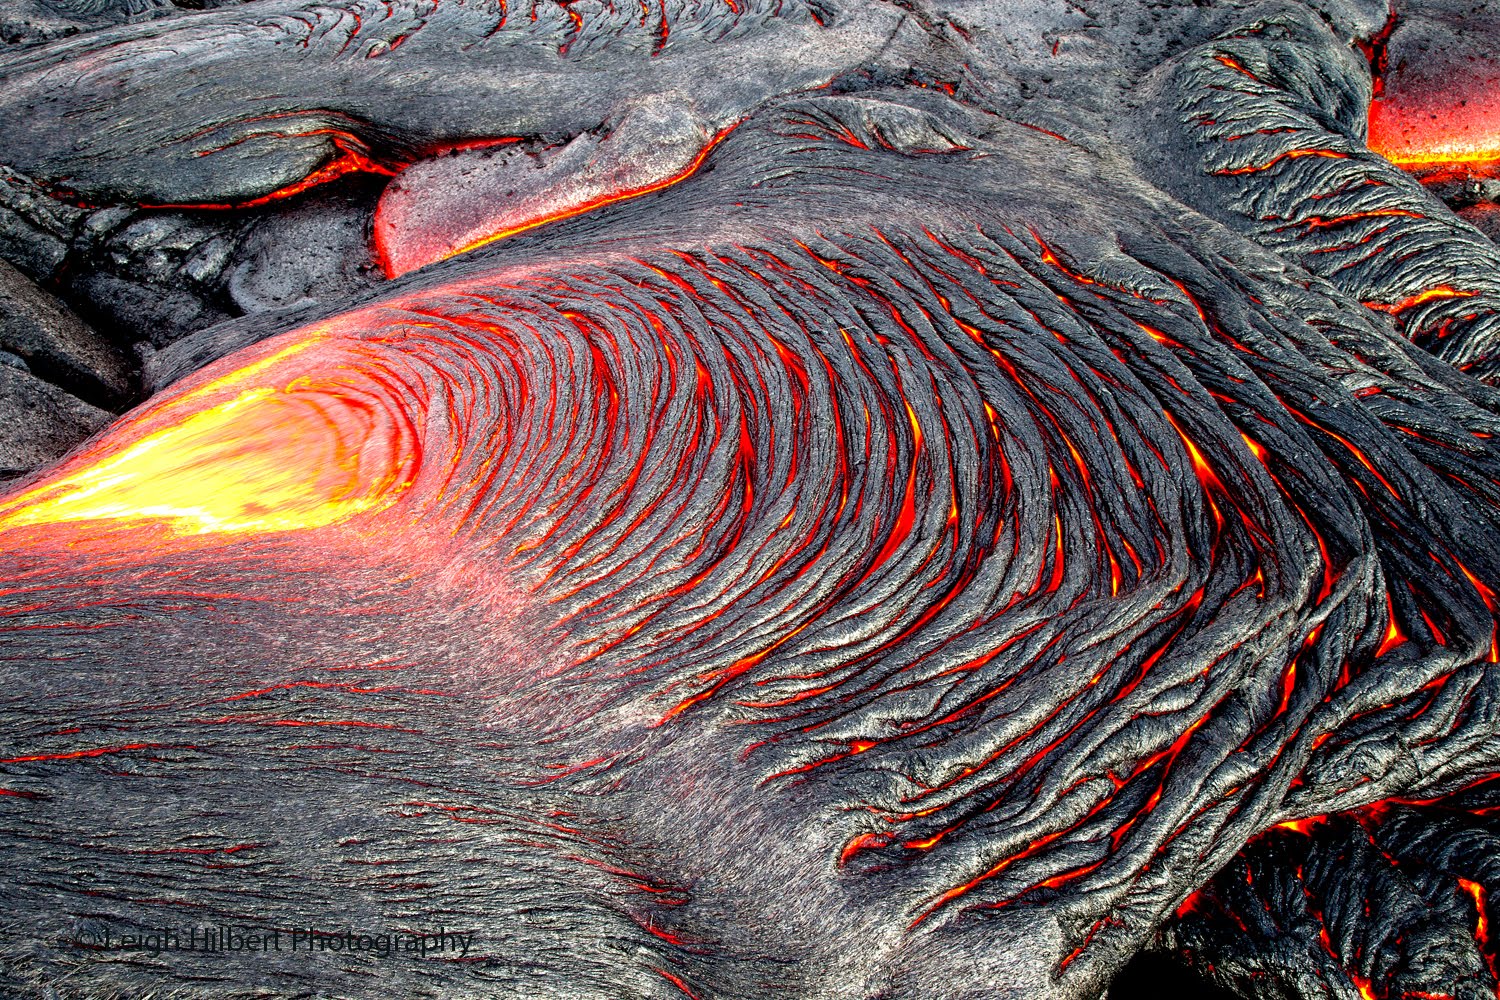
(268, 446)
(352, 158)
(1420, 298)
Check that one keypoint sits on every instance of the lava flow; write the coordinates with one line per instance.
(909, 537)
(296, 437)
(1421, 134)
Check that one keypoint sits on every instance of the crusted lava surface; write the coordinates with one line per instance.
(937, 507)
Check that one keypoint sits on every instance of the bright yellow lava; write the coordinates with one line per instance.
(277, 454)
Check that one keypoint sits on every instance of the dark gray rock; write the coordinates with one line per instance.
(318, 248)
(35, 229)
(39, 422)
(168, 248)
(136, 310)
(57, 346)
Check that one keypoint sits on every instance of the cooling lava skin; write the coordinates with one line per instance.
(925, 528)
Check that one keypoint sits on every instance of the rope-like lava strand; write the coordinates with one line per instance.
(1126, 560)
(1276, 117)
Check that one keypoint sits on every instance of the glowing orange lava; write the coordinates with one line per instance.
(1302, 826)
(294, 439)
(1462, 129)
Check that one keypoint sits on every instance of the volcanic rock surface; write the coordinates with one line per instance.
(749, 498)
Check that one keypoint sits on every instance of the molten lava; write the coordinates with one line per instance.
(268, 446)
(1412, 133)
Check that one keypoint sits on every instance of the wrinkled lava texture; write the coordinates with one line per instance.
(752, 498)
